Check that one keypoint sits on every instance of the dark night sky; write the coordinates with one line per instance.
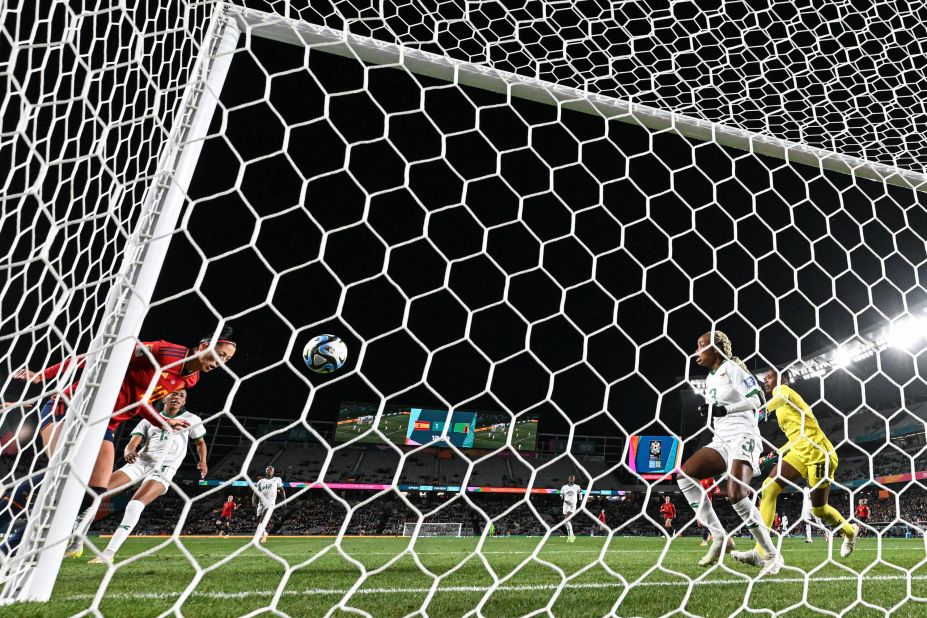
(616, 287)
(580, 254)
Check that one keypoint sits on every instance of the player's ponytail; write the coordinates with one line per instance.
(225, 336)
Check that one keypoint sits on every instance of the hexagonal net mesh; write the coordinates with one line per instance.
(521, 267)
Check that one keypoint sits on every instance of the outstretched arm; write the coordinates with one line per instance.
(49, 372)
(201, 453)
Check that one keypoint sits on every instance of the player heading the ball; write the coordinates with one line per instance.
(156, 369)
(732, 403)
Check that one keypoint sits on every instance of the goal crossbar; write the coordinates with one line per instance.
(374, 51)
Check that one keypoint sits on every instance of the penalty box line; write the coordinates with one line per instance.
(482, 589)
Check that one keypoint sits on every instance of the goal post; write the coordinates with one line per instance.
(31, 574)
(431, 529)
(521, 298)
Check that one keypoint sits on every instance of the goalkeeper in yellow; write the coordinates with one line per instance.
(808, 455)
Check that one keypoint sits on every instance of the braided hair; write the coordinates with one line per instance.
(723, 343)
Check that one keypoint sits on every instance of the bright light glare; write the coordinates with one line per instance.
(906, 333)
(842, 357)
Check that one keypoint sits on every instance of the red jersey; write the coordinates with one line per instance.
(602, 517)
(139, 377)
(668, 510)
(228, 508)
(777, 522)
(862, 511)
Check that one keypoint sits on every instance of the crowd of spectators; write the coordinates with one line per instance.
(317, 512)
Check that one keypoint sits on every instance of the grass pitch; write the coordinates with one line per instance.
(308, 576)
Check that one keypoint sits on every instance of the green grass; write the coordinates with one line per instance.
(322, 572)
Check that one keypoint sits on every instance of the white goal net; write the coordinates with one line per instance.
(431, 529)
(519, 221)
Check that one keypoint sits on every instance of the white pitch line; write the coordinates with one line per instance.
(519, 588)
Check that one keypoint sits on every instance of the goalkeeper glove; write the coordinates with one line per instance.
(716, 409)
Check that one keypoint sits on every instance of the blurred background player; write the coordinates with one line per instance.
(224, 523)
(732, 402)
(569, 495)
(265, 500)
(785, 525)
(668, 512)
(155, 465)
(602, 522)
(808, 455)
(862, 515)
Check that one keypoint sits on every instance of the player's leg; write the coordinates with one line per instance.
(819, 479)
(808, 538)
(787, 472)
(705, 462)
(742, 499)
(260, 531)
(99, 480)
(568, 521)
(14, 501)
(150, 490)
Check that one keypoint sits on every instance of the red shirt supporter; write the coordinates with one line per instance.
(668, 510)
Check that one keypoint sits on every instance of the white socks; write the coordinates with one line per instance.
(133, 511)
(807, 532)
(751, 517)
(700, 503)
(569, 527)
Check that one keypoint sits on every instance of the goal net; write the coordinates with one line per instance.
(430, 529)
(519, 221)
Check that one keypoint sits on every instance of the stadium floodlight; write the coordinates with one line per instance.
(843, 356)
(906, 332)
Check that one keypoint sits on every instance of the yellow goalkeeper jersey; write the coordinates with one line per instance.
(808, 442)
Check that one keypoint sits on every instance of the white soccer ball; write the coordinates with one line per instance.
(325, 353)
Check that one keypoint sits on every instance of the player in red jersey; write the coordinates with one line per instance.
(668, 511)
(862, 515)
(224, 523)
(777, 523)
(159, 366)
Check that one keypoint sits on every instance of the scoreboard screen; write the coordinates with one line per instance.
(653, 457)
(427, 425)
(409, 425)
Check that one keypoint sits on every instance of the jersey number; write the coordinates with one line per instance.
(748, 446)
(819, 469)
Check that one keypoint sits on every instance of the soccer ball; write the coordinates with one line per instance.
(325, 353)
